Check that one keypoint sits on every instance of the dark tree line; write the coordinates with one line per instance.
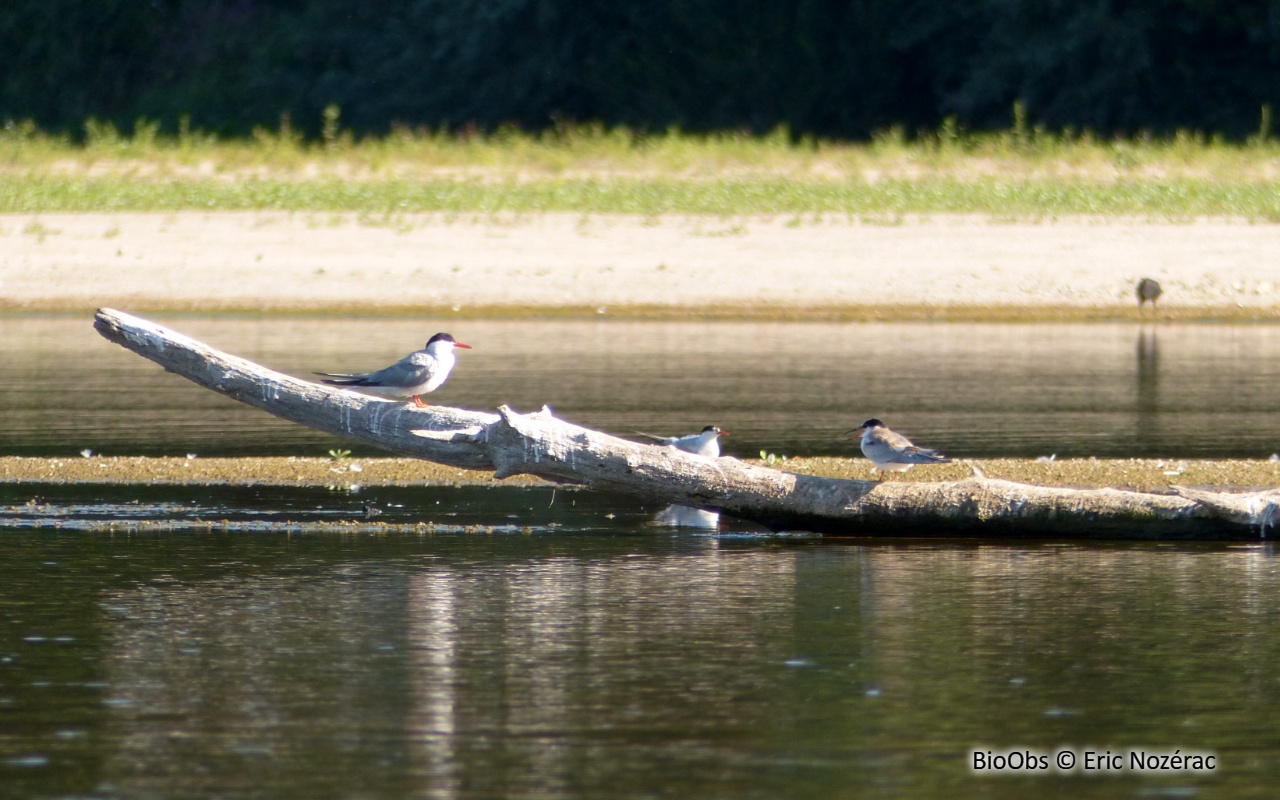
(828, 67)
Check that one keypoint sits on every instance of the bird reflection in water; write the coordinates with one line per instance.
(676, 516)
(1148, 353)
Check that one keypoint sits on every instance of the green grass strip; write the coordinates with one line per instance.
(1172, 199)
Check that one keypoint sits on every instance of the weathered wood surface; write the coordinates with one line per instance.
(510, 443)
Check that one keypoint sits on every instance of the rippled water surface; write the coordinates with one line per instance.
(1163, 390)
(605, 658)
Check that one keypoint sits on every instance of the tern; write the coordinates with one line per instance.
(421, 372)
(891, 451)
(704, 443)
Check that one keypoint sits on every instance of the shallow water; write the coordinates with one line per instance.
(1123, 390)
(602, 657)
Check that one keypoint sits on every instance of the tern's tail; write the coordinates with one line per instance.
(338, 379)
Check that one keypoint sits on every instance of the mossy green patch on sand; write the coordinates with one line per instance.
(1135, 474)
(280, 471)
(1149, 475)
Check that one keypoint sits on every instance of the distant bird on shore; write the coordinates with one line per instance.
(1147, 289)
(421, 372)
(704, 443)
(893, 452)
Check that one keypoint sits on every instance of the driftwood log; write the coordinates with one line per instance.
(510, 443)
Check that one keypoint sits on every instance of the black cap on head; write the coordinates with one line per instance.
(872, 423)
(710, 428)
(440, 337)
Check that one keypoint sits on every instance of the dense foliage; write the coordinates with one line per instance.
(835, 68)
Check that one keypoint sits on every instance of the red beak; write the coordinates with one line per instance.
(463, 346)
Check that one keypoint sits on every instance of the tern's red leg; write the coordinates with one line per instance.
(418, 402)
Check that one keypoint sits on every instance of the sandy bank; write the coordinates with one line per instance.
(279, 261)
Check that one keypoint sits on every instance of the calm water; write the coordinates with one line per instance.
(193, 642)
(972, 390)
(606, 658)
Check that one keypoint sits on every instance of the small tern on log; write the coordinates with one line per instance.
(891, 451)
(705, 442)
(510, 443)
(421, 372)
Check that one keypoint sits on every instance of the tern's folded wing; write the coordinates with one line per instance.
(880, 449)
(922, 455)
(403, 373)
